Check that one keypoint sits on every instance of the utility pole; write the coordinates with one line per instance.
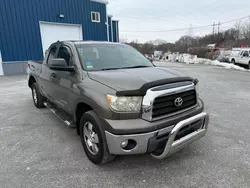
(190, 32)
(213, 31)
(218, 31)
(213, 28)
(219, 27)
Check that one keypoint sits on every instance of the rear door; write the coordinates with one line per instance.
(47, 75)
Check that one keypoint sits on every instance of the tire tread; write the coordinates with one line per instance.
(106, 156)
(40, 98)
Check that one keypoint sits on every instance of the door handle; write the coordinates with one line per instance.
(53, 75)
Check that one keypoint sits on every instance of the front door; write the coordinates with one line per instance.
(66, 81)
(244, 59)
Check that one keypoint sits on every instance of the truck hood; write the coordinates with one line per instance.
(132, 79)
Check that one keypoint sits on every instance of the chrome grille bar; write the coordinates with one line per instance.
(153, 93)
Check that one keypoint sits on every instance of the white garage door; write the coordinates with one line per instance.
(52, 32)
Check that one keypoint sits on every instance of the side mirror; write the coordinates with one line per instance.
(60, 65)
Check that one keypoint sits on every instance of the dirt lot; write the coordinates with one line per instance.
(37, 150)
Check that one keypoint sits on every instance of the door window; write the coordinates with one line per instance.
(52, 55)
(245, 54)
(64, 53)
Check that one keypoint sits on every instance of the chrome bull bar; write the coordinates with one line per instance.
(173, 146)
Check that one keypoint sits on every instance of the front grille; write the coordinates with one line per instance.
(165, 105)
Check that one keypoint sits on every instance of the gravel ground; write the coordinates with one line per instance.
(37, 150)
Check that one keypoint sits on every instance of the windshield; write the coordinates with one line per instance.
(95, 57)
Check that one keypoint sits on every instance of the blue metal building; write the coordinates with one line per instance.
(27, 27)
(115, 30)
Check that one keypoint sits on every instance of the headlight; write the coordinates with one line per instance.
(125, 104)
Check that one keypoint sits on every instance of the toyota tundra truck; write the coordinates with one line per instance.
(118, 101)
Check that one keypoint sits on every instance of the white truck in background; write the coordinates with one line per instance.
(240, 56)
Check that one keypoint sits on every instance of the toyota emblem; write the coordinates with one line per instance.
(178, 102)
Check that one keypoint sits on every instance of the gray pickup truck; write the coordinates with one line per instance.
(118, 101)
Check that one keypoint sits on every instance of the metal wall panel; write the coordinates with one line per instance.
(115, 26)
(20, 38)
(14, 68)
(110, 28)
(117, 31)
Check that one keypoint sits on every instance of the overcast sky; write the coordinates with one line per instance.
(155, 15)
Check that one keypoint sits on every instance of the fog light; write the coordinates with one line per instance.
(124, 144)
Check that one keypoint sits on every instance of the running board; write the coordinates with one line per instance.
(60, 114)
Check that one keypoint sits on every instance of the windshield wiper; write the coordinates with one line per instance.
(110, 69)
(138, 66)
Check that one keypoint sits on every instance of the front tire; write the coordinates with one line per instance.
(38, 99)
(233, 62)
(93, 139)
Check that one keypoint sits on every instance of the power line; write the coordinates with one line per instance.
(234, 20)
(181, 29)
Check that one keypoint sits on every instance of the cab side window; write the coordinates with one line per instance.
(245, 54)
(52, 55)
(64, 53)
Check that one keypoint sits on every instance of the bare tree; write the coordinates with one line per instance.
(157, 42)
(238, 33)
(246, 29)
(124, 40)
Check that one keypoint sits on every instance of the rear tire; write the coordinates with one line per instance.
(96, 147)
(38, 99)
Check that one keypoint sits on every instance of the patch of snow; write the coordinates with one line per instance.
(241, 142)
(190, 59)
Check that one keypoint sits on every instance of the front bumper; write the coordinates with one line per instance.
(167, 140)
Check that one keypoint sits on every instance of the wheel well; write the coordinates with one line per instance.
(80, 110)
(31, 81)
